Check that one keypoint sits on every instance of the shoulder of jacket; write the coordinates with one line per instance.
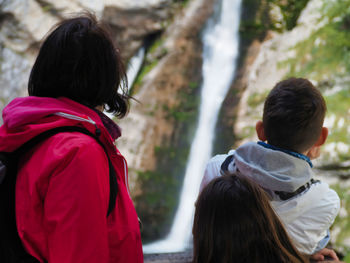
(327, 192)
(72, 142)
(219, 158)
(332, 198)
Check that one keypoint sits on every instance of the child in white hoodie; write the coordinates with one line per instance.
(291, 134)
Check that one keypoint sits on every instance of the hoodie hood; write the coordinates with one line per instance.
(271, 169)
(27, 117)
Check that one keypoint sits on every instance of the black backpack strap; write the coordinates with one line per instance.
(225, 164)
(113, 185)
(287, 195)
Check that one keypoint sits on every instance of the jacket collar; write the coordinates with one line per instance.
(295, 154)
(113, 129)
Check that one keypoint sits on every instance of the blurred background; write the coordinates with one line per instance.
(200, 70)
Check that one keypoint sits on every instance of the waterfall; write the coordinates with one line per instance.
(134, 66)
(220, 50)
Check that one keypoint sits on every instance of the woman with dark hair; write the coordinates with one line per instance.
(234, 222)
(72, 201)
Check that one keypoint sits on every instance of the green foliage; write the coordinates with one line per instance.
(187, 108)
(256, 99)
(347, 258)
(326, 53)
(256, 18)
(342, 221)
(156, 44)
(338, 103)
(154, 53)
(325, 56)
(252, 28)
(254, 21)
(161, 189)
(183, 3)
(48, 7)
(143, 72)
(290, 10)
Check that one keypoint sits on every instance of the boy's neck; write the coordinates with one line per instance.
(292, 153)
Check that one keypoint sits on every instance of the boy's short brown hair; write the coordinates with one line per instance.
(293, 116)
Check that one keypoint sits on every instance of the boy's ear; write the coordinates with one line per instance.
(314, 151)
(323, 137)
(259, 127)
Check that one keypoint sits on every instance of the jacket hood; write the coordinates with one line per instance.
(271, 169)
(26, 117)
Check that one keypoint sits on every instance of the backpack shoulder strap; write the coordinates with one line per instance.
(224, 166)
(288, 195)
(113, 185)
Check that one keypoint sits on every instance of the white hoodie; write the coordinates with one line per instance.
(306, 216)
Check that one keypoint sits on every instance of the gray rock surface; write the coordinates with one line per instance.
(24, 23)
(183, 257)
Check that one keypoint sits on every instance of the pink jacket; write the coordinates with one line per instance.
(62, 190)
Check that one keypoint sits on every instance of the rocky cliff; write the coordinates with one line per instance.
(23, 25)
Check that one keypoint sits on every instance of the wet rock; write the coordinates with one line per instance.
(131, 27)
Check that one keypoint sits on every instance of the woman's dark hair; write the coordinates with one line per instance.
(78, 60)
(234, 222)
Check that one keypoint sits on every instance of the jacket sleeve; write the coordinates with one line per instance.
(212, 170)
(308, 217)
(76, 203)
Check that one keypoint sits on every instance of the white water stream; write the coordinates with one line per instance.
(134, 66)
(220, 42)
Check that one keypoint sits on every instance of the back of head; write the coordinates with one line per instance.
(293, 115)
(234, 222)
(79, 60)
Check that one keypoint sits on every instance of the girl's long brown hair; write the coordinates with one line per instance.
(234, 222)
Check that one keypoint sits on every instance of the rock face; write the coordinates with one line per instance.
(21, 27)
(132, 27)
(23, 24)
(158, 129)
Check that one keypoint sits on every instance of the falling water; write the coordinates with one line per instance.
(220, 41)
(134, 66)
